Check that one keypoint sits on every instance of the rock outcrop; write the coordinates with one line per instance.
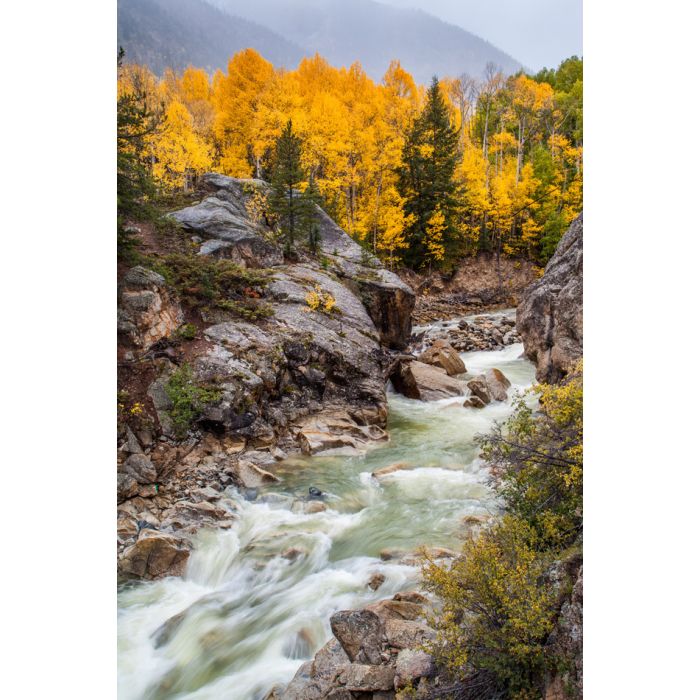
(147, 311)
(375, 651)
(306, 377)
(566, 642)
(550, 316)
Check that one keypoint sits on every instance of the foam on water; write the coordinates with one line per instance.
(256, 599)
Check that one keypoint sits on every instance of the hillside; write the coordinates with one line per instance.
(374, 34)
(175, 33)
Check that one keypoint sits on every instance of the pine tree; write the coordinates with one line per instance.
(426, 181)
(135, 123)
(285, 201)
(311, 199)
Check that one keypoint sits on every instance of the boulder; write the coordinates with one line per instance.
(251, 476)
(329, 661)
(127, 487)
(550, 317)
(376, 580)
(407, 634)
(155, 554)
(474, 402)
(442, 354)
(336, 429)
(360, 634)
(147, 311)
(497, 383)
(364, 678)
(140, 467)
(417, 380)
(411, 666)
(480, 389)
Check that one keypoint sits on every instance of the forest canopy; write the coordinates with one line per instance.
(419, 175)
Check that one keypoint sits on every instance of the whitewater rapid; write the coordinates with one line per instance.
(255, 601)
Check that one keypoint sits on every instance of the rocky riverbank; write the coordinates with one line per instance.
(375, 652)
(305, 374)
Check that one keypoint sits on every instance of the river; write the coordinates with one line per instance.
(249, 617)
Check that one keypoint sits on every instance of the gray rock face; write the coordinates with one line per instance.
(567, 642)
(146, 312)
(140, 468)
(426, 382)
(550, 317)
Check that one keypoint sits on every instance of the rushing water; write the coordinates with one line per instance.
(251, 616)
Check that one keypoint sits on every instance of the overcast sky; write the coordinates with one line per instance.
(535, 32)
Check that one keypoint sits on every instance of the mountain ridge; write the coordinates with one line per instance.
(206, 33)
(176, 33)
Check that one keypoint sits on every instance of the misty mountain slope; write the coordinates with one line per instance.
(174, 33)
(374, 33)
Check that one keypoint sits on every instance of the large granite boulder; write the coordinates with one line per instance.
(550, 316)
(416, 380)
(147, 311)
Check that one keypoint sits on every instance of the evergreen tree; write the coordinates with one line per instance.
(312, 198)
(290, 207)
(135, 121)
(426, 181)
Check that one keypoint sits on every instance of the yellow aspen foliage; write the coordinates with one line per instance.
(517, 186)
(179, 154)
(434, 235)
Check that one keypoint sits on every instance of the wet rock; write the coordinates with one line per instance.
(333, 430)
(550, 316)
(480, 389)
(497, 383)
(474, 402)
(146, 311)
(376, 580)
(360, 634)
(412, 665)
(155, 555)
(315, 507)
(251, 476)
(416, 380)
(442, 354)
(385, 471)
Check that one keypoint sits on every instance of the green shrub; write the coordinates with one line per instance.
(187, 331)
(536, 459)
(205, 282)
(499, 607)
(188, 399)
(497, 610)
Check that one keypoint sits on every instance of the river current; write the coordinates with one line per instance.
(256, 600)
